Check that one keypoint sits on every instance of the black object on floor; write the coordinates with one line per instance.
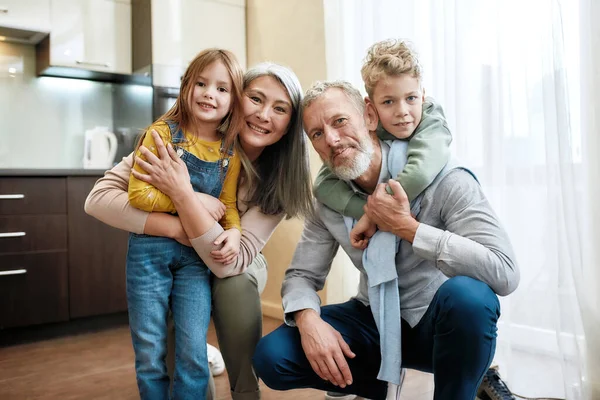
(493, 387)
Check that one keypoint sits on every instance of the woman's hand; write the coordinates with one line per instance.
(213, 205)
(167, 172)
(231, 248)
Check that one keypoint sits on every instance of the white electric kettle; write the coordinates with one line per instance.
(100, 148)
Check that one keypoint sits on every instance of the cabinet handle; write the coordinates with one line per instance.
(13, 272)
(3, 10)
(105, 65)
(11, 196)
(11, 234)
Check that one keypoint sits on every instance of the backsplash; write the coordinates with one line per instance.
(43, 120)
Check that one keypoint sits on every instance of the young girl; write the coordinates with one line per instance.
(164, 273)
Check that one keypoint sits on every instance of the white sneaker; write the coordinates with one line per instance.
(340, 396)
(393, 392)
(215, 360)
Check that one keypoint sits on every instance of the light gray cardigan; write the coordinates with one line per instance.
(459, 234)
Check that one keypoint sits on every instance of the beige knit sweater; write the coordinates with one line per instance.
(108, 202)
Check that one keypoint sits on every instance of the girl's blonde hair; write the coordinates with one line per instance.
(180, 112)
(391, 57)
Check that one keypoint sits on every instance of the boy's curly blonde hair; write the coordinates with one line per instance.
(390, 57)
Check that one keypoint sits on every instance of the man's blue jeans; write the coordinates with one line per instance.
(162, 273)
(455, 339)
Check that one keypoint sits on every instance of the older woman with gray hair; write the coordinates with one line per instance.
(273, 141)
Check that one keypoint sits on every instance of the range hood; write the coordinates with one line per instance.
(24, 36)
(44, 67)
(161, 76)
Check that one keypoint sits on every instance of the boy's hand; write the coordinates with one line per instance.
(362, 232)
(231, 246)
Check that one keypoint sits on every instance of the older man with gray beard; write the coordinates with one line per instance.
(453, 259)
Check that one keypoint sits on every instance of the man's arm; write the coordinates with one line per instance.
(474, 243)
(323, 346)
(309, 268)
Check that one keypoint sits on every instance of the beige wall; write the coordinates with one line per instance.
(288, 32)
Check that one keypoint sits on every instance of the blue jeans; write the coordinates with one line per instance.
(162, 273)
(455, 340)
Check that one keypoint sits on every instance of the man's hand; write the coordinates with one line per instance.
(324, 348)
(391, 213)
(231, 248)
(362, 232)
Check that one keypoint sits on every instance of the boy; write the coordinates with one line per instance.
(393, 81)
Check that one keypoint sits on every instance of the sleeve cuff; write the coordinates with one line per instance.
(206, 240)
(299, 300)
(427, 240)
(143, 218)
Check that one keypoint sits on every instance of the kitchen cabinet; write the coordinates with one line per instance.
(33, 288)
(56, 262)
(92, 34)
(33, 251)
(97, 255)
(30, 15)
(183, 28)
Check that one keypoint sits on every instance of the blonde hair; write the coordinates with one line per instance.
(391, 57)
(180, 112)
(231, 124)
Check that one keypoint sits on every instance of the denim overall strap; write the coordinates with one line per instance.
(206, 176)
(177, 135)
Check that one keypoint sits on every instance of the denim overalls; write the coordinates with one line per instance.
(163, 273)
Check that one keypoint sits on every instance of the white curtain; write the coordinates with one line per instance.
(514, 78)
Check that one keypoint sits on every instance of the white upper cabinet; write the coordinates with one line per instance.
(91, 34)
(32, 15)
(183, 28)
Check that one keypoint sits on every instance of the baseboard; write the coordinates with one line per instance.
(273, 310)
(539, 340)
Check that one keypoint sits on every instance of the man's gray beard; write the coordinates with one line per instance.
(356, 167)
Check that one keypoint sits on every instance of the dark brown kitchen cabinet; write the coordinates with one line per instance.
(33, 251)
(33, 289)
(33, 233)
(32, 196)
(56, 262)
(96, 257)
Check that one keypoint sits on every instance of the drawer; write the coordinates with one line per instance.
(27, 233)
(33, 289)
(33, 196)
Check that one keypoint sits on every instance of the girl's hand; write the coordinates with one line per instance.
(179, 235)
(231, 248)
(166, 225)
(167, 172)
(213, 205)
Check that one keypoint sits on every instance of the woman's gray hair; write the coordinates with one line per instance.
(283, 181)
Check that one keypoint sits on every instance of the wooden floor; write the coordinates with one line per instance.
(96, 362)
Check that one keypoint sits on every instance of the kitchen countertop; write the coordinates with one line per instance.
(6, 172)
